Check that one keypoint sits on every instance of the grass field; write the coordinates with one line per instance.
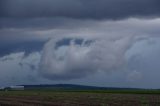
(80, 98)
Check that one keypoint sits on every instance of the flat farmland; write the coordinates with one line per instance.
(79, 98)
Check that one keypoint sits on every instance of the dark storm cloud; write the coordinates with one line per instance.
(27, 47)
(38, 23)
(86, 9)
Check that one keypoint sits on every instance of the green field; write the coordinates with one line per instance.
(80, 98)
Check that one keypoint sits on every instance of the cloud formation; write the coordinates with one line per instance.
(63, 57)
(80, 9)
(100, 38)
(108, 42)
(27, 47)
(78, 60)
(80, 37)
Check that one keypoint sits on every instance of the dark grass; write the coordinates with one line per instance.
(47, 91)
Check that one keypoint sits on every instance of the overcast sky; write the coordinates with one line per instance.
(90, 42)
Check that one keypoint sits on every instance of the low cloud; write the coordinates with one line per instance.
(134, 76)
(79, 60)
(106, 51)
(12, 73)
(91, 47)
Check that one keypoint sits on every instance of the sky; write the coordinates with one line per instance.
(111, 43)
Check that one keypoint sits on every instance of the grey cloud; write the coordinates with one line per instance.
(134, 76)
(41, 23)
(78, 60)
(107, 52)
(6, 59)
(14, 74)
(81, 9)
(111, 41)
(145, 61)
(30, 65)
(27, 47)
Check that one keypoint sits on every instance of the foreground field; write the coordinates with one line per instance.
(80, 98)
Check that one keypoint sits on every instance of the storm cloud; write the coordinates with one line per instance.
(74, 58)
(97, 42)
(80, 9)
(27, 47)
(78, 60)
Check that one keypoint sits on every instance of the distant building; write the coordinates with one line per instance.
(14, 88)
(17, 87)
